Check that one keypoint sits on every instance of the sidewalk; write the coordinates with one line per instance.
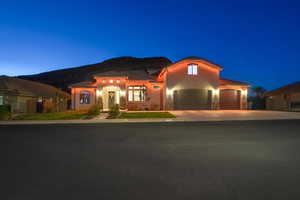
(181, 116)
(89, 121)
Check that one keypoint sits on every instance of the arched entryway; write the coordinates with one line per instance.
(110, 96)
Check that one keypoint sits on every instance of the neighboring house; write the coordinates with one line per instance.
(29, 97)
(286, 98)
(190, 84)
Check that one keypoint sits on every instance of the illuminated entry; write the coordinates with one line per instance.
(192, 69)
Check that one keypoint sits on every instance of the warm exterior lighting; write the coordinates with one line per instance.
(216, 91)
(118, 81)
(103, 81)
(169, 92)
(244, 92)
(99, 93)
(111, 81)
(122, 93)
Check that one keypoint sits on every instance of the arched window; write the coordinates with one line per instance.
(85, 97)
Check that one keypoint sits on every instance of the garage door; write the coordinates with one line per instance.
(192, 99)
(230, 99)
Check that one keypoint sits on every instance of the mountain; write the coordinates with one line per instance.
(63, 78)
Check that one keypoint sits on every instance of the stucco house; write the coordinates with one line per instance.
(190, 84)
(29, 97)
(286, 98)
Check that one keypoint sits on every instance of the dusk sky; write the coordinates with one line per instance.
(255, 41)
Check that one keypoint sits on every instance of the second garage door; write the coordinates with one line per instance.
(230, 99)
(192, 99)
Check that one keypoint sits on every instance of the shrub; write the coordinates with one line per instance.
(5, 112)
(114, 111)
(94, 110)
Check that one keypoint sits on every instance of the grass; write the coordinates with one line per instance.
(142, 115)
(53, 116)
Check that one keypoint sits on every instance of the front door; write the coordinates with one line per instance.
(111, 99)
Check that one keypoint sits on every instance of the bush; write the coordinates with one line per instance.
(94, 110)
(114, 111)
(5, 112)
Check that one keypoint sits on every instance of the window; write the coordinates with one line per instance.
(85, 97)
(1, 100)
(192, 69)
(136, 93)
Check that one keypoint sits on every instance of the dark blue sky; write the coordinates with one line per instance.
(255, 41)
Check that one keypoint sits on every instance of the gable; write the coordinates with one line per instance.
(203, 63)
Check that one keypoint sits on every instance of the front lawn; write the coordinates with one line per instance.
(137, 115)
(53, 116)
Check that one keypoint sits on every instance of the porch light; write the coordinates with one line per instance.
(122, 93)
(244, 92)
(99, 93)
(169, 92)
(216, 91)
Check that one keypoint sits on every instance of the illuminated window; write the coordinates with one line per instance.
(118, 81)
(136, 93)
(111, 81)
(1, 100)
(85, 97)
(103, 81)
(192, 69)
(130, 95)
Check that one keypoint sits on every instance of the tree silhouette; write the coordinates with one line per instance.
(258, 100)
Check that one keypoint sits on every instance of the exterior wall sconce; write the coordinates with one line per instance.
(244, 92)
(99, 93)
(169, 92)
(122, 93)
(216, 92)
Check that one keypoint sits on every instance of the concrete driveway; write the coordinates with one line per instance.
(228, 115)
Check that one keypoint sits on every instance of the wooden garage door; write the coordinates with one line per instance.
(192, 99)
(230, 99)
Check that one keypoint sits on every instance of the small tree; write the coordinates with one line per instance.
(258, 100)
(114, 111)
(259, 91)
(94, 111)
(5, 112)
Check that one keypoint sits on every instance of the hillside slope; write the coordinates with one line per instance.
(63, 78)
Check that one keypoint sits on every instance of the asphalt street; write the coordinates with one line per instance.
(139, 161)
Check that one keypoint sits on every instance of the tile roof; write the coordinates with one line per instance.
(84, 84)
(131, 74)
(23, 87)
(198, 58)
(224, 81)
(288, 89)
